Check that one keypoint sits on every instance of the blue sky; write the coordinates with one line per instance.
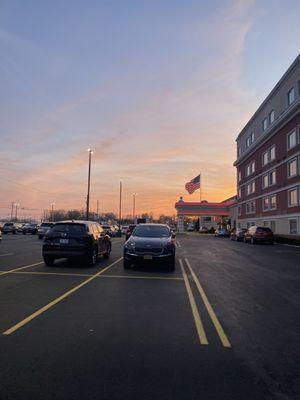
(159, 89)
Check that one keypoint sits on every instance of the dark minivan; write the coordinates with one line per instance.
(259, 234)
(73, 239)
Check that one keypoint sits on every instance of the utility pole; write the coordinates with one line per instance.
(98, 210)
(89, 185)
(133, 206)
(17, 205)
(120, 205)
(52, 211)
(12, 211)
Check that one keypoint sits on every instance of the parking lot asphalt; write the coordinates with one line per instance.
(223, 325)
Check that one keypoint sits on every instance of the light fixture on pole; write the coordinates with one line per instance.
(52, 210)
(89, 185)
(133, 205)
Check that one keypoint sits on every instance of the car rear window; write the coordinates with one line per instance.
(151, 231)
(69, 229)
(263, 229)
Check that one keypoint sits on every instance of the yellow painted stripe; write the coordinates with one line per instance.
(19, 269)
(101, 276)
(209, 308)
(197, 319)
(142, 277)
(57, 300)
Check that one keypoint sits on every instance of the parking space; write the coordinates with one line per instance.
(104, 325)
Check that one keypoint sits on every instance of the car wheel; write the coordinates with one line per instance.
(252, 240)
(171, 266)
(40, 237)
(107, 254)
(24, 233)
(92, 258)
(48, 260)
(126, 264)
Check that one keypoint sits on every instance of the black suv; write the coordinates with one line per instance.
(70, 239)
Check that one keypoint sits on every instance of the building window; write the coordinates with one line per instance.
(250, 140)
(270, 203)
(293, 226)
(268, 155)
(269, 179)
(250, 169)
(266, 203)
(293, 197)
(264, 124)
(291, 139)
(272, 178)
(265, 181)
(291, 96)
(292, 168)
(273, 202)
(239, 176)
(272, 153)
(271, 117)
(251, 207)
(250, 188)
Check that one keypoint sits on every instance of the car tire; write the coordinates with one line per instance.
(49, 261)
(107, 254)
(126, 264)
(24, 233)
(171, 266)
(40, 237)
(91, 259)
(252, 240)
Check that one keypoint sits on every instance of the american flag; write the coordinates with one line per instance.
(193, 184)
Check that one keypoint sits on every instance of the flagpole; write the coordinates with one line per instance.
(200, 188)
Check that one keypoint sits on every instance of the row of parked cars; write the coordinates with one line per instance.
(254, 234)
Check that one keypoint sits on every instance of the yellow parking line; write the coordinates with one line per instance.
(209, 309)
(142, 277)
(19, 269)
(101, 276)
(197, 319)
(57, 300)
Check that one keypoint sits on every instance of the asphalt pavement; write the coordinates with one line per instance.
(223, 325)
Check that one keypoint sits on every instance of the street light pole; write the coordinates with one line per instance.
(133, 206)
(52, 211)
(89, 185)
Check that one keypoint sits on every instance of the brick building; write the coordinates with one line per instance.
(268, 160)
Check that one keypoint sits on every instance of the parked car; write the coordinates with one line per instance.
(238, 234)
(20, 227)
(1, 226)
(150, 243)
(124, 229)
(109, 229)
(203, 229)
(222, 232)
(0, 236)
(129, 231)
(9, 227)
(259, 234)
(73, 239)
(190, 227)
(44, 228)
(30, 228)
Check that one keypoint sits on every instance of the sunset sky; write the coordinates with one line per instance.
(159, 89)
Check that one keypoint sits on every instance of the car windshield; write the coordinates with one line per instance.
(151, 231)
(69, 229)
(46, 225)
(263, 230)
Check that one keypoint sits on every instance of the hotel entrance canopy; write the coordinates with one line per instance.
(203, 208)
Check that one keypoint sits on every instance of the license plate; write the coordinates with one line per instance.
(64, 241)
(148, 257)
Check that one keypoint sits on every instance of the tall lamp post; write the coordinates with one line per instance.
(17, 205)
(52, 210)
(133, 205)
(89, 185)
